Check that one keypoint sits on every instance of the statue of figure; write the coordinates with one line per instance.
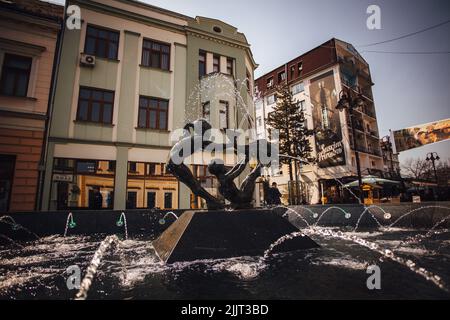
(193, 141)
(239, 197)
(197, 138)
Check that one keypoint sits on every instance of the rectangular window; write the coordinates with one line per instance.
(223, 114)
(153, 113)
(111, 165)
(201, 63)
(206, 111)
(168, 200)
(281, 76)
(82, 184)
(147, 181)
(15, 75)
(248, 80)
(102, 43)
(151, 199)
(299, 87)
(132, 166)
(300, 68)
(302, 105)
(95, 105)
(216, 63)
(155, 54)
(259, 121)
(292, 72)
(131, 200)
(270, 82)
(230, 66)
(271, 99)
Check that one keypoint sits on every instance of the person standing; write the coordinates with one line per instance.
(275, 194)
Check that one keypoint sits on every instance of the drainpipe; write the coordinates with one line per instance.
(51, 100)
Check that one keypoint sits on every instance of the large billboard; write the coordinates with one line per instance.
(327, 125)
(413, 137)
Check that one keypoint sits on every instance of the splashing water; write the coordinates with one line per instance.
(347, 215)
(70, 223)
(109, 242)
(163, 219)
(11, 241)
(15, 226)
(123, 222)
(435, 279)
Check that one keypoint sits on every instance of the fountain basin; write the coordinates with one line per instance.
(225, 234)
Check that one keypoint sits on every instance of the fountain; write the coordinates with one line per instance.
(217, 233)
(230, 250)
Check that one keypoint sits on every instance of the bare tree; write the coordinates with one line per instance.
(416, 168)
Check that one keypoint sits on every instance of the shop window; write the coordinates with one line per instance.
(82, 184)
(148, 182)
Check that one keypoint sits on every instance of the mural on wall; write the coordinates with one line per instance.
(417, 136)
(327, 125)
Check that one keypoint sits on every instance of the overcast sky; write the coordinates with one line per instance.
(409, 89)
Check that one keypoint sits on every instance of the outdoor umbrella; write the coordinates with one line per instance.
(370, 180)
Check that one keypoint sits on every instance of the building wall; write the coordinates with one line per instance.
(316, 62)
(122, 141)
(22, 119)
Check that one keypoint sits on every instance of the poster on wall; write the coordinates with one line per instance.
(327, 125)
(417, 136)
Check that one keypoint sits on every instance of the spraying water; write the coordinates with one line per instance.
(70, 223)
(105, 245)
(15, 226)
(123, 222)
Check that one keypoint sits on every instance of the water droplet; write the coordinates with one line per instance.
(72, 225)
(315, 215)
(162, 221)
(348, 215)
(387, 216)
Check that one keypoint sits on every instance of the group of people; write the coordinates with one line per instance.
(273, 195)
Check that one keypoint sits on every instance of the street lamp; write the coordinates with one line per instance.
(433, 156)
(349, 100)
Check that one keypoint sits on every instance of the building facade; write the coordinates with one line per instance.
(28, 48)
(316, 79)
(130, 77)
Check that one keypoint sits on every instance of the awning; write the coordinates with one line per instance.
(373, 180)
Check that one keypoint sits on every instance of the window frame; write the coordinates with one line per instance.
(96, 41)
(201, 54)
(216, 65)
(227, 113)
(91, 101)
(160, 53)
(230, 66)
(204, 105)
(281, 74)
(269, 82)
(16, 72)
(158, 110)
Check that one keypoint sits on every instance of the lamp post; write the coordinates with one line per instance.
(433, 156)
(349, 100)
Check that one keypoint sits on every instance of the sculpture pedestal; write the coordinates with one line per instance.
(225, 234)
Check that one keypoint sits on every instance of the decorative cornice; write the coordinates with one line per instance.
(221, 40)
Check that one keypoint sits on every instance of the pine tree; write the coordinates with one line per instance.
(289, 119)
